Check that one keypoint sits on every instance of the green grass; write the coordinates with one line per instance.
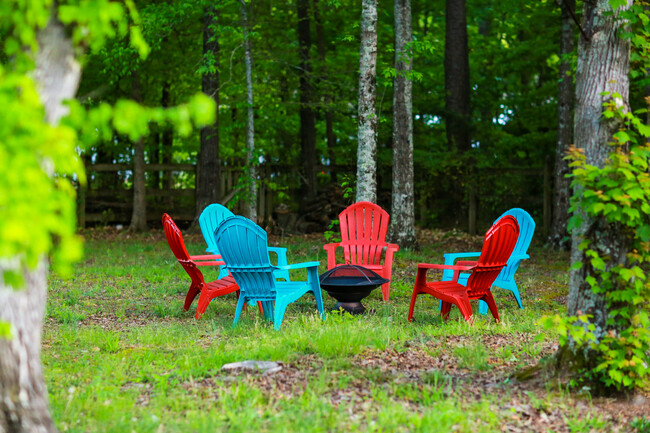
(121, 355)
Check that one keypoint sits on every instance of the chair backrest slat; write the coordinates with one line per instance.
(176, 244)
(498, 244)
(209, 220)
(363, 233)
(243, 246)
(526, 230)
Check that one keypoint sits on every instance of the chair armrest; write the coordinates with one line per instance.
(281, 253)
(423, 267)
(392, 247)
(300, 265)
(212, 250)
(210, 263)
(206, 257)
(331, 254)
(519, 256)
(450, 258)
(443, 267)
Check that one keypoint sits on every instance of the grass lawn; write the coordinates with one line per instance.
(120, 355)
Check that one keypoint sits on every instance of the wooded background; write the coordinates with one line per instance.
(486, 76)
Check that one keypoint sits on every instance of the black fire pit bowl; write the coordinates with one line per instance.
(349, 284)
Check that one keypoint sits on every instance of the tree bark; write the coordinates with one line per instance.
(603, 66)
(24, 403)
(559, 235)
(403, 206)
(307, 116)
(139, 214)
(208, 176)
(367, 123)
(250, 119)
(457, 88)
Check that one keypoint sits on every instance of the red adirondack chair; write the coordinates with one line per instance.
(363, 239)
(208, 291)
(499, 242)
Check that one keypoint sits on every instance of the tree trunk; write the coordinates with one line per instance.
(250, 119)
(167, 143)
(559, 235)
(139, 215)
(603, 66)
(208, 176)
(403, 207)
(330, 135)
(307, 117)
(457, 89)
(367, 148)
(24, 404)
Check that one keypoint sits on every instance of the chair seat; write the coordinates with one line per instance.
(225, 283)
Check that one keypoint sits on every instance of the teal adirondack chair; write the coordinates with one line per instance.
(209, 220)
(506, 279)
(243, 246)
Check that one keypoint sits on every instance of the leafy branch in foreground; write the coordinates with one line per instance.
(617, 194)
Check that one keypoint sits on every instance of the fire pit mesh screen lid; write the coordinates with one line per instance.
(351, 275)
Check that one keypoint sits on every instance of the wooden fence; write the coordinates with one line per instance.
(110, 205)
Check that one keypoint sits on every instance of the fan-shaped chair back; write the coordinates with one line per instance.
(498, 244)
(363, 233)
(209, 220)
(176, 244)
(243, 246)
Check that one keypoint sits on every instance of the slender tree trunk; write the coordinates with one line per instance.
(24, 404)
(250, 119)
(167, 143)
(330, 135)
(208, 179)
(367, 148)
(559, 234)
(457, 88)
(403, 206)
(307, 116)
(603, 66)
(139, 215)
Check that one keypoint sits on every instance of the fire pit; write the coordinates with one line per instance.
(349, 284)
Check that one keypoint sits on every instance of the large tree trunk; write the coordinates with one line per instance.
(139, 214)
(24, 404)
(559, 235)
(307, 117)
(457, 89)
(250, 119)
(403, 207)
(208, 179)
(367, 135)
(603, 66)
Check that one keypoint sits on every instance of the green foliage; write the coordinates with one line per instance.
(617, 194)
(39, 161)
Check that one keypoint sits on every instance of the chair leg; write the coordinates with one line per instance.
(515, 291)
(191, 294)
(240, 304)
(466, 309)
(489, 299)
(319, 303)
(445, 308)
(280, 308)
(204, 301)
(482, 307)
(412, 307)
(385, 290)
(268, 310)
